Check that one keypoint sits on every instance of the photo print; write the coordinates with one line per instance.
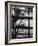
(21, 22)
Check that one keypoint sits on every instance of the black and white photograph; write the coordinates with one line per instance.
(21, 22)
